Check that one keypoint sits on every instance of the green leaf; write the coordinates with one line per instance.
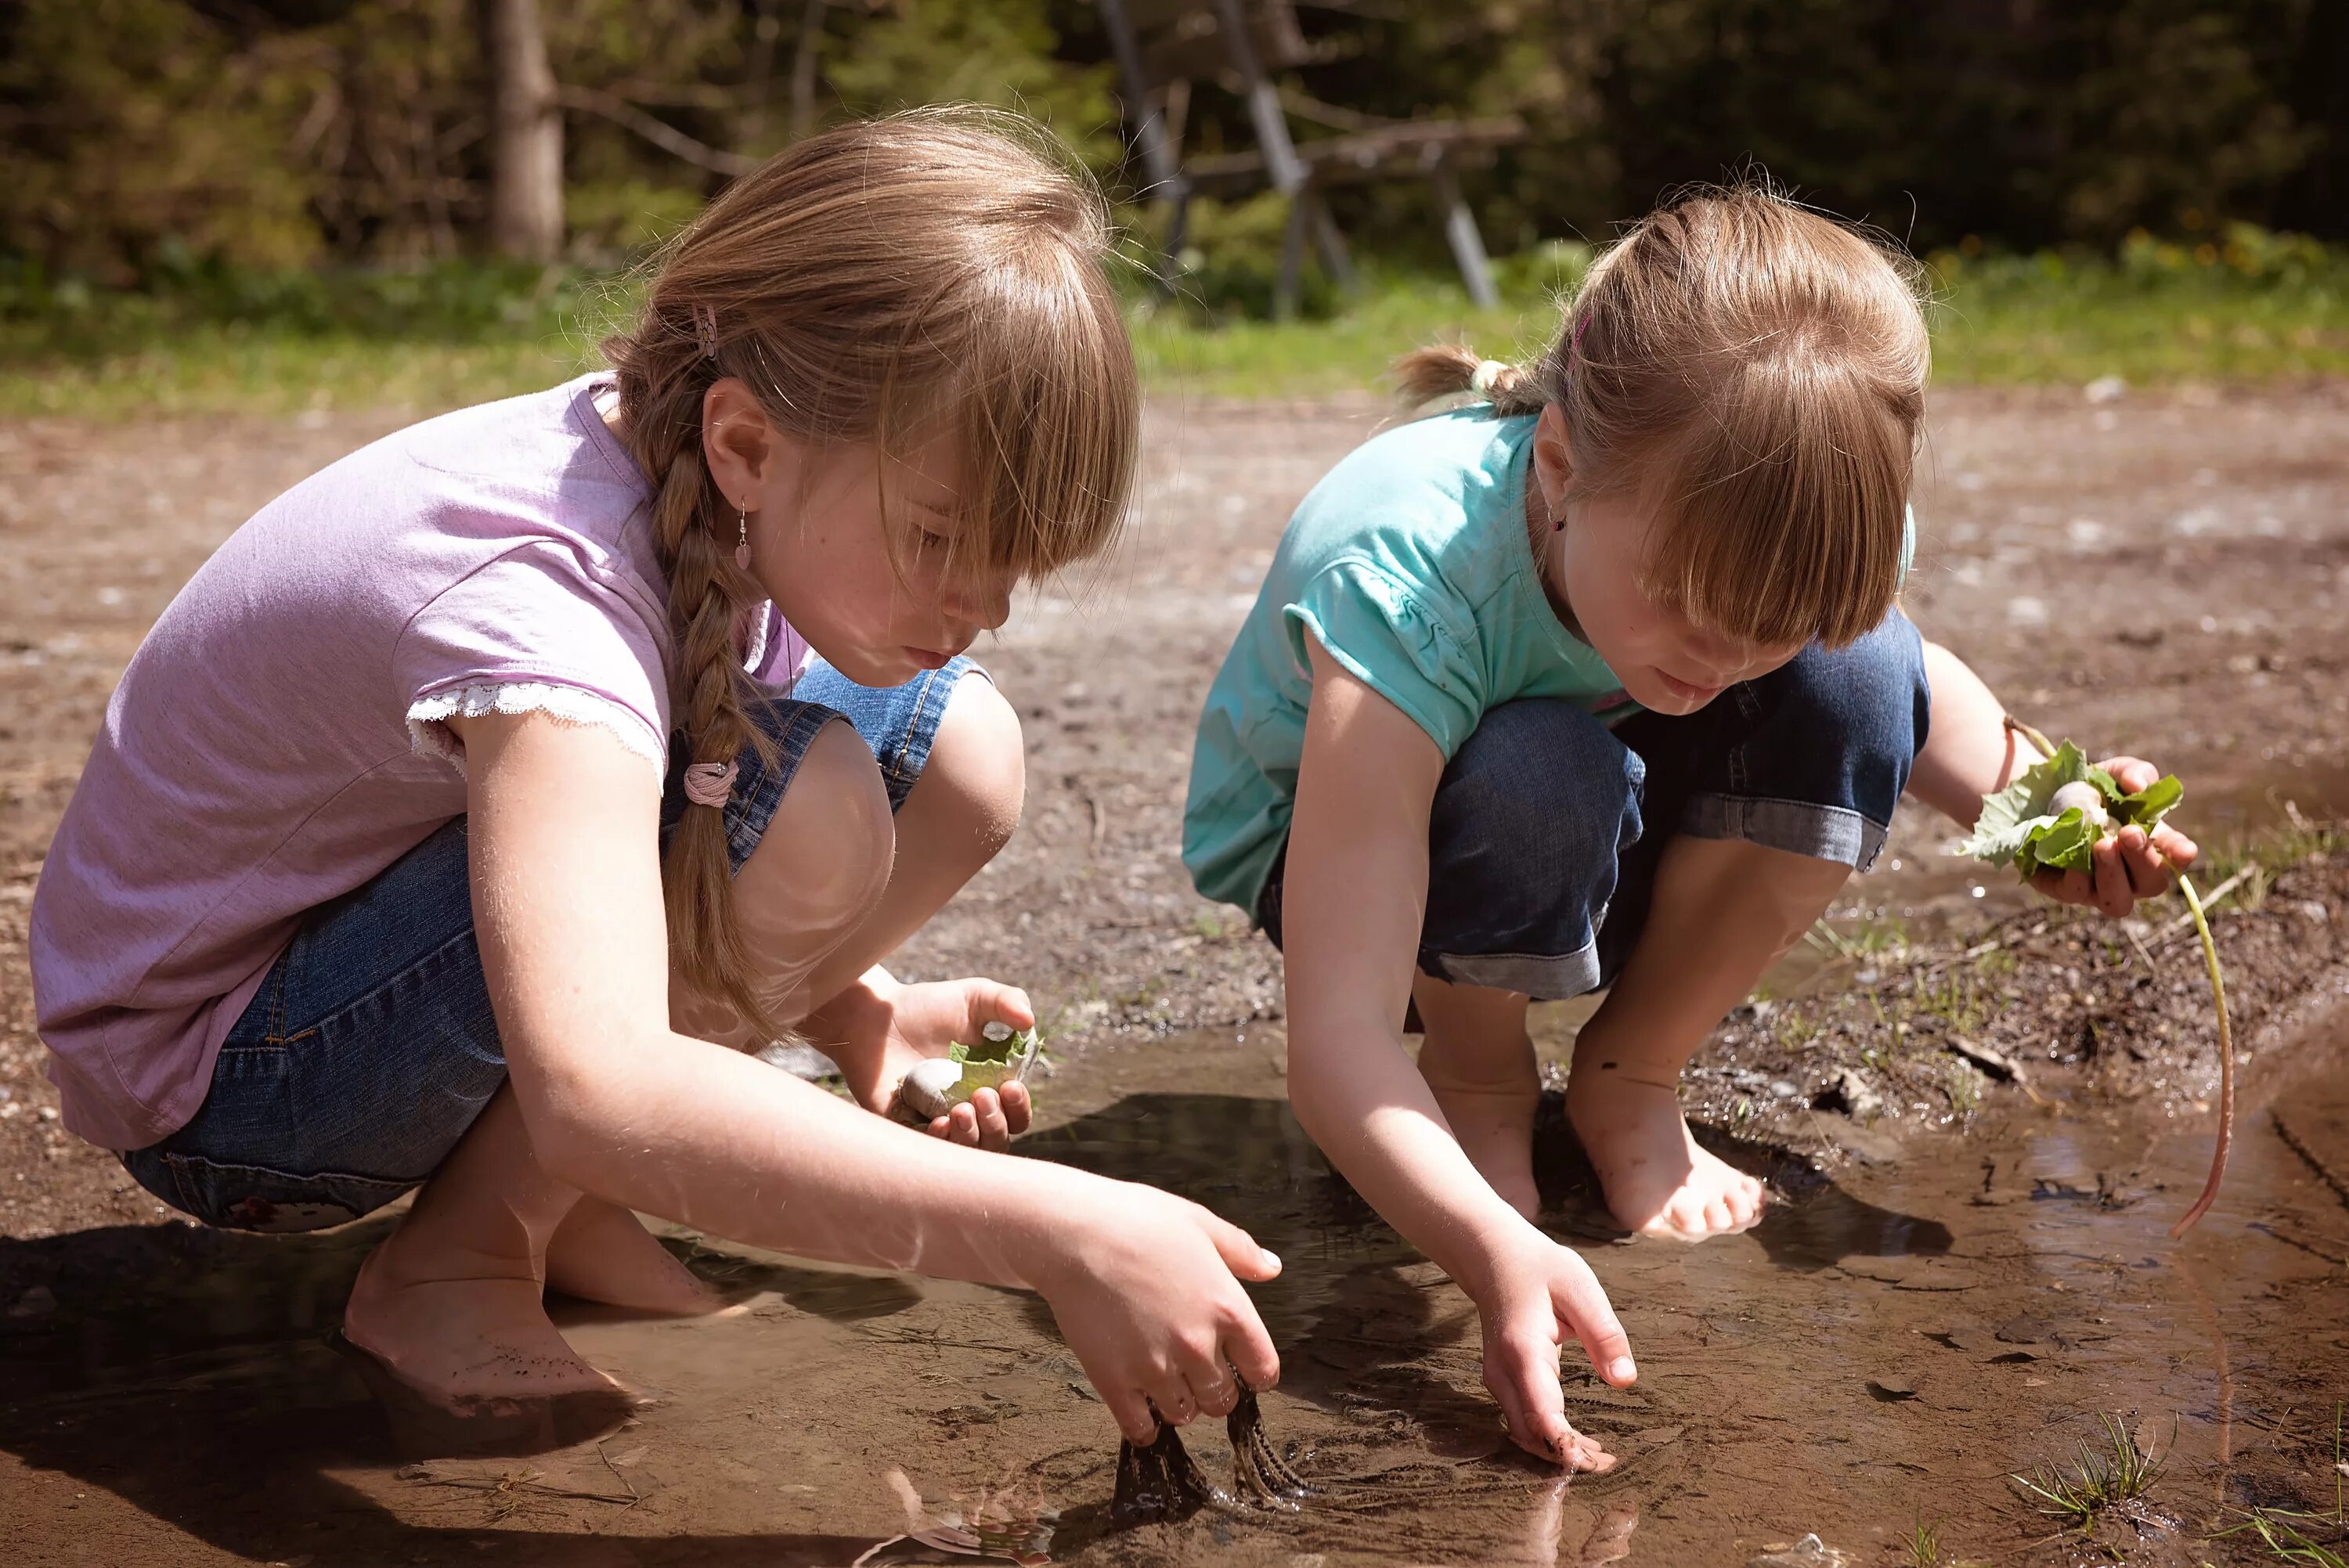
(2015, 828)
(1010, 1048)
(2060, 845)
(991, 1064)
(2149, 806)
(2009, 818)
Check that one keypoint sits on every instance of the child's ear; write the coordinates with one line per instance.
(1553, 459)
(739, 443)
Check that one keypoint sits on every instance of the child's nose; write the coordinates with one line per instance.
(987, 605)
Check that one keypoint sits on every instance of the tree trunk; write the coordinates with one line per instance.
(525, 137)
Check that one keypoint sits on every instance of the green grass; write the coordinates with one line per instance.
(2102, 1476)
(204, 339)
(1923, 1543)
(2280, 1529)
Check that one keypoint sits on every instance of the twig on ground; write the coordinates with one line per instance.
(2293, 1141)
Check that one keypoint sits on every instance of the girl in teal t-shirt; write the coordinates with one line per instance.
(1599, 681)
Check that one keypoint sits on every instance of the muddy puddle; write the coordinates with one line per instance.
(1893, 1342)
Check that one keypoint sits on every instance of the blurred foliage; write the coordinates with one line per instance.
(272, 132)
(273, 129)
(2026, 123)
(149, 140)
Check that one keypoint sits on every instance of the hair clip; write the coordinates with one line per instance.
(704, 330)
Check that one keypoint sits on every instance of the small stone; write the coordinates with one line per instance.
(48, 1113)
(38, 1302)
(1810, 1552)
(2106, 389)
(1851, 1093)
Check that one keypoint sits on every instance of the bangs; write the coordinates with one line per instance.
(1782, 511)
(1046, 409)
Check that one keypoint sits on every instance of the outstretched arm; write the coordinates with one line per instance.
(1355, 897)
(567, 894)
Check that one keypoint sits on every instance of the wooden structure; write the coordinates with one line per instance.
(1164, 45)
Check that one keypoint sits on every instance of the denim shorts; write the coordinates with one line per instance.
(1542, 842)
(370, 1047)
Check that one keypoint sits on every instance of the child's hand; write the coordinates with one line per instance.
(1145, 1288)
(904, 1024)
(2131, 864)
(1537, 1294)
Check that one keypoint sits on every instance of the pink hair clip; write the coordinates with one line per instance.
(709, 783)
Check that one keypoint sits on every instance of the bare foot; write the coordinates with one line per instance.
(602, 1253)
(1657, 1180)
(468, 1363)
(1493, 1120)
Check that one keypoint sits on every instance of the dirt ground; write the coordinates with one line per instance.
(2165, 574)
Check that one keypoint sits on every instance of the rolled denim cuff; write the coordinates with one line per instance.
(1798, 826)
(1544, 978)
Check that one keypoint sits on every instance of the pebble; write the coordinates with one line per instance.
(1810, 1552)
(1784, 1088)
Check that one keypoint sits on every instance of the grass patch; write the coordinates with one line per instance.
(200, 338)
(1923, 1543)
(2279, 1530)
(2102, 1476)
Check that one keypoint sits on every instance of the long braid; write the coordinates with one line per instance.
(933, 270)
(706, 595)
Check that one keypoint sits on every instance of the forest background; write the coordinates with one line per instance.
(260, 203)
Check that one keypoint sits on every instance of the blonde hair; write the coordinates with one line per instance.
(1754, 373)
(934, 273)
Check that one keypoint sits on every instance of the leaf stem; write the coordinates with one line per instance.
(2226, 1061)
(2218, 995)
(2046, 747)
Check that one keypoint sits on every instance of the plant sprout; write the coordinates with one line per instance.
(2049, 820)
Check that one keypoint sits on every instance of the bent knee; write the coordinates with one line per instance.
(1544, 784)
(977, 776)
(828, 848)
(1869, 698)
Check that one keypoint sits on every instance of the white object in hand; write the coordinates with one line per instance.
(927, 1090)
(2086, 797)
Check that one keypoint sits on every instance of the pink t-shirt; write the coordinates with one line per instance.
(279, 740)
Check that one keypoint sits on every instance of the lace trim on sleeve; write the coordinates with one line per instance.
(428, 716)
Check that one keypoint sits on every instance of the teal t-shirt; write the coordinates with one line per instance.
(1409, 561)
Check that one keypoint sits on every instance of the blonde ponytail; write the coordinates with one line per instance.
(1753, 373)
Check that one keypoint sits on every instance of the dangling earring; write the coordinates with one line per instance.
(742, 542)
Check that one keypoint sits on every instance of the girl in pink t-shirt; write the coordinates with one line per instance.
(474, 801)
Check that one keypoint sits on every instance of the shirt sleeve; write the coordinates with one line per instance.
(1395, 643)
(536, 629)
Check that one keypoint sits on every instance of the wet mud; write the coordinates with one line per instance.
(1894, 1342)
(1964, 1273)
